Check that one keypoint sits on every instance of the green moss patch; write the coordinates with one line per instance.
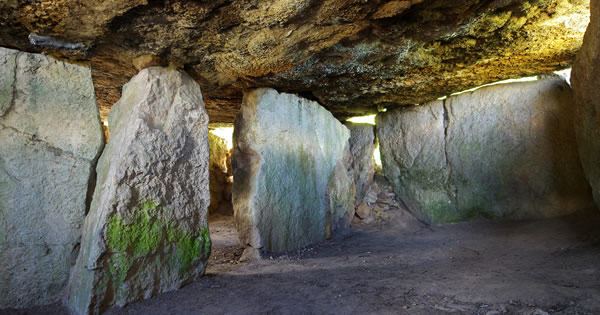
(145, 233)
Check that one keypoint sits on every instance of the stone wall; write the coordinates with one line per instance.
(146, 231)
(505, 151)
(50, 137)
(285, 193)
(585, 78)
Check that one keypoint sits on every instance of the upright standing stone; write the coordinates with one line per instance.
(585, 78)
(504, 151)
(341, 194)
(361, 164)
(412, 144)
(146, 232)
(50, 137)
(285, 151)
(219, 154)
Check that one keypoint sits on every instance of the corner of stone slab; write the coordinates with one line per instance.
(251, 254)
(77, 301)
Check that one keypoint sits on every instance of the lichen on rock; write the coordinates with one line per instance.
(147, 232)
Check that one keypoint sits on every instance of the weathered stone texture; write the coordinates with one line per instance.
(361, 163)
(218, 172)
(146, 232)
(585, 78)
(353, 56)
(50, 137)
(412, 153)
(505, 151)
(285, 151)
(341, 194)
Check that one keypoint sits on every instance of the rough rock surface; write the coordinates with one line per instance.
(353, 56)
(288, 152)
(50, 137)
(341, 194)
(361, 164)
(504, 151)
(146, 231)
(218, 172)
(585, 79)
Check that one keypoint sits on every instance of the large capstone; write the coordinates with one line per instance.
(146, 232)
(289, 172)
(361, 164)
(505, 151)
(586, 86)
(50, 137)
(353, 56)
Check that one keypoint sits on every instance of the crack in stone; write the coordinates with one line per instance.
(13, 87)
(13, 177)
(452, 187)
(49, 146)
(446, 123)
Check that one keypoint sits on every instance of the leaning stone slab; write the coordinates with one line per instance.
(286, 194)
(146, 232)
(504, 151)
(585, 78)
(50, 137)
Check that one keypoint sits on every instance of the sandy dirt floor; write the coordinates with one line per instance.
(400, 266)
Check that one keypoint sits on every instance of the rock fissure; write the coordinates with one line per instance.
(446, 123)
(13, 87)
(452, 187)
(7, 172)
(49, 146)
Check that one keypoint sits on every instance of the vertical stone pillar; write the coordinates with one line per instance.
(146, 232)
(50, 137)
(585, 78)
(291, 187)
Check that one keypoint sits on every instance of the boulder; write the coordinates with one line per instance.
(146, 231)
(504, 151)
(289, 170)
(585, 78)
(361, 164)
(50, 137)
(363, 210)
